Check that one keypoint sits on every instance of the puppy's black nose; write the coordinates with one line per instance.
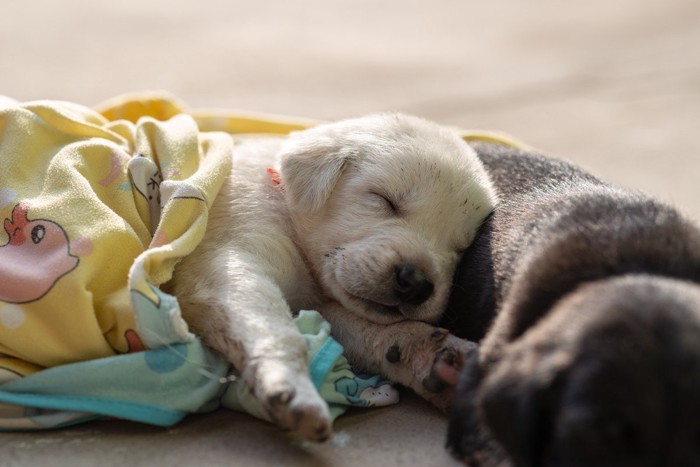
(411, 285)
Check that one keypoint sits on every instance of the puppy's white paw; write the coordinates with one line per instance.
(292, 401)
(425, 358)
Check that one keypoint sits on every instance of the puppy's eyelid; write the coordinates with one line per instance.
(390, 204)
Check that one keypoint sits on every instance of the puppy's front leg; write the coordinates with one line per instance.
(412, 353)
(242, 313)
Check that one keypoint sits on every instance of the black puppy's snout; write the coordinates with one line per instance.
(411, 285)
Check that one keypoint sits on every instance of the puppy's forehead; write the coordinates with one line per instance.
(422, 164)
(439, 191)
(419, 167)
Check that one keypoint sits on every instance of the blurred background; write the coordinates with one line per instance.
(613, 85)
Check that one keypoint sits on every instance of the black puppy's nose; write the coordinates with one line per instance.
(411, 285)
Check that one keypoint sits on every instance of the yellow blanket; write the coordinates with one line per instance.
(95, 207)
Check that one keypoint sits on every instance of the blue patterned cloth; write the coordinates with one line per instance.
(162, 386)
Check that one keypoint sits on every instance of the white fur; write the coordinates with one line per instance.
(327, 233)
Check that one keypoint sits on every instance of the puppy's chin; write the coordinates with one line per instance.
(366, 287)
(381, 312)
(372, 311)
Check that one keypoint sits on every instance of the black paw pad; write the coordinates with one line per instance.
(393, 355)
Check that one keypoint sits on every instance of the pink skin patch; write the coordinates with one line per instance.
(447, 373)
(274, 176)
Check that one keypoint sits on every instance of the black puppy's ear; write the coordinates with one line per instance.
(312, 162)
(519, 410)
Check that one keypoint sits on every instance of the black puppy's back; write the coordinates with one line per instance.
(595, 230)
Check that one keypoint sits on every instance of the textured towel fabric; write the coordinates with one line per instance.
(98, 206)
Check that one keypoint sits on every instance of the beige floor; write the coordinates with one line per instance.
(613, 85)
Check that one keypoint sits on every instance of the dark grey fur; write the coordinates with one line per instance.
(586, 301)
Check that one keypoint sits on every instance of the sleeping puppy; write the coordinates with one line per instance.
(364, 220)
(587, 298)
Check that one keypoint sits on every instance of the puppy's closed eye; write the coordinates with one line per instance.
(387, 201)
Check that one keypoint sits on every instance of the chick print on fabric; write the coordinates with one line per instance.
(36, 255)
(95, 213)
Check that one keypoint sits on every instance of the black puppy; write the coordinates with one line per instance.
(586, 301)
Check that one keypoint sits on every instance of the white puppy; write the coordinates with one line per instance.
(371, 213)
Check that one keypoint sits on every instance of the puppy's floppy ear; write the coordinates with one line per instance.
(312, 162)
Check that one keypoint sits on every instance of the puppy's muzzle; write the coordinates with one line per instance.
(411, 285)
